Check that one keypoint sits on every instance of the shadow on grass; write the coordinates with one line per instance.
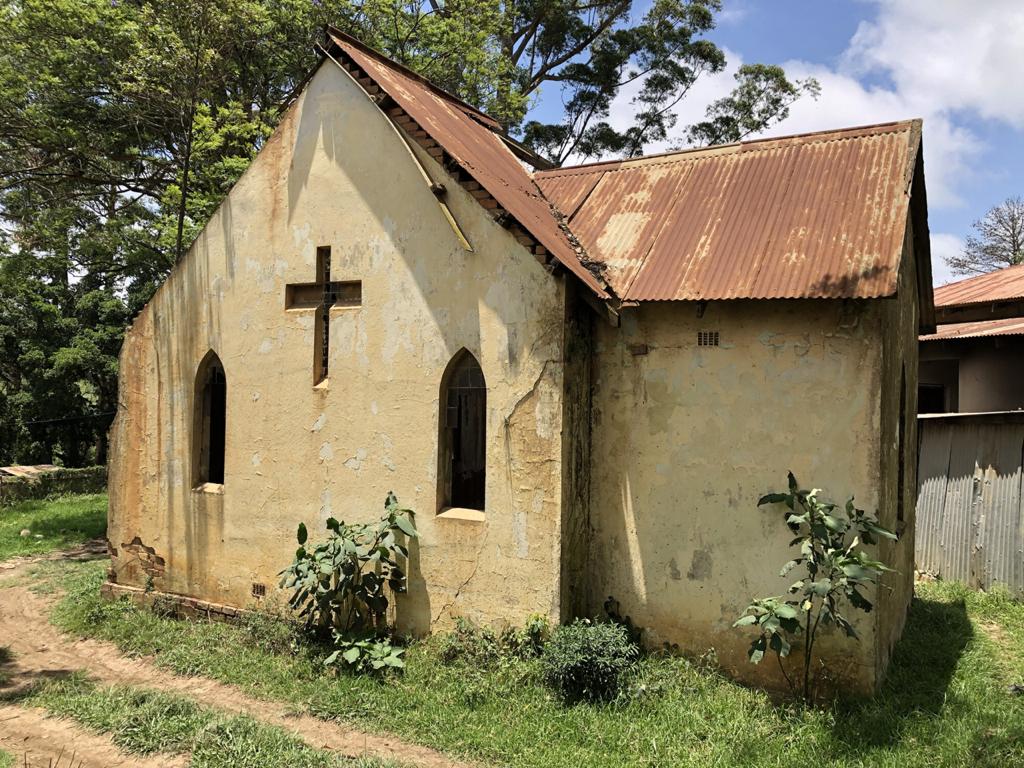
(86, 521)
(922, 667)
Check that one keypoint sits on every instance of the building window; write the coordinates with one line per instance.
(931, 398)
(210, 410)
(463, 434)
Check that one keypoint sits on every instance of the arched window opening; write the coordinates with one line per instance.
(463, 440)
(210, 409)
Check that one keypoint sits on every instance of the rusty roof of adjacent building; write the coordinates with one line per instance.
(473, 140)
(819, 215)
(1011, 326)
(1002, 285)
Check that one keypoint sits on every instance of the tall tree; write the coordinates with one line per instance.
(997, 241)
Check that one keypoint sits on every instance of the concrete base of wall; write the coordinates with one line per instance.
(179, 606)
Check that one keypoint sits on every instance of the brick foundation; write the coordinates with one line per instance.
(179, 606)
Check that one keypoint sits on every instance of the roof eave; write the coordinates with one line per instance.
(919, 223)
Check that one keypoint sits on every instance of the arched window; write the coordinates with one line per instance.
(463, 440)
(208, 428)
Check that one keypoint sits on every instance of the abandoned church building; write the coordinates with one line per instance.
(581, 379)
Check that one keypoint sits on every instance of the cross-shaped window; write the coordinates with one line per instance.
(321, 296)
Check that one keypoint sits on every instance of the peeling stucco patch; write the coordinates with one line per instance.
(319, 423)
(700, 566)
(356, 462)
(673, 570)
(326, 452)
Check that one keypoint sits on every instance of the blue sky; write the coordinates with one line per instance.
(958, 64)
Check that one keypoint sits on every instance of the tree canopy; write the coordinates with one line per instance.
(997, 241)
(123, 123)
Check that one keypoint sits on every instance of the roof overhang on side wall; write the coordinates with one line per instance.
(918, 214)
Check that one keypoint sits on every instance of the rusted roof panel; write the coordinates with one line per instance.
(568, 188)
(475, 147)
(1013, 326)
(1002, 285)
(814, 216)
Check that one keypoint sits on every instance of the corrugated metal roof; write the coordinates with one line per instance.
(1013, 326)
(813, 216)
(473, 144)
(1002, 285)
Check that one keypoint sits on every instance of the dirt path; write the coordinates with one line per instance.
(43, 742)
(39, 650)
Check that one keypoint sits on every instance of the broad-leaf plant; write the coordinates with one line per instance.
(340, 587)
(835, 574)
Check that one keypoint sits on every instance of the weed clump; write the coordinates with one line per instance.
(587, 661)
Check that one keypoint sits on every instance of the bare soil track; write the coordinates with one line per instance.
(38, 650)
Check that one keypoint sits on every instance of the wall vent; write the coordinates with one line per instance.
(707, 338)
(259, 590)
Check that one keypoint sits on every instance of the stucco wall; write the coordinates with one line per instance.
(686, 439)
(901, 323)
(336, 173)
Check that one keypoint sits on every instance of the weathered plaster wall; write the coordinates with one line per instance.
(686, 439)
(900, 323)
(336, 173)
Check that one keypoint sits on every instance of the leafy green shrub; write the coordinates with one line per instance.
(367, 654)
(586, 661)
(835, 571)
(340, 587)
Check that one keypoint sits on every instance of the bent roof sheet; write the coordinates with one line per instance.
(814, 216)
(1002, 285)
(1013, 326)
(469, 137)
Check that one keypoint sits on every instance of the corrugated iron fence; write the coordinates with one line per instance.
(970, 509)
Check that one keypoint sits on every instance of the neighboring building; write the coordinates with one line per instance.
(581, 379)
(974, 362)
(971, 396)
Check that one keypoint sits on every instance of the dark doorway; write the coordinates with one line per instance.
(464, 434)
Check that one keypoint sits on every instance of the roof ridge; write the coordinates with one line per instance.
(662, 158)
(445, 94)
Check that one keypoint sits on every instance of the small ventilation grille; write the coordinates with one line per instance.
(259, 590)
(707, 338)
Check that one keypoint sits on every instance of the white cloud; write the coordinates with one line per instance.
(956, 54)
(944, 245)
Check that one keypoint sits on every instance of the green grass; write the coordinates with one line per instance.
(6, 759)
(62, 522)
(945, 703)
(144, 722)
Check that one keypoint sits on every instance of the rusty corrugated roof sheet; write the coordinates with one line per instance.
(469, 137)
(819, 215)
(1002, 285)
(1013, 326)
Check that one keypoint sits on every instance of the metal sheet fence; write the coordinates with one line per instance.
(970, 515)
